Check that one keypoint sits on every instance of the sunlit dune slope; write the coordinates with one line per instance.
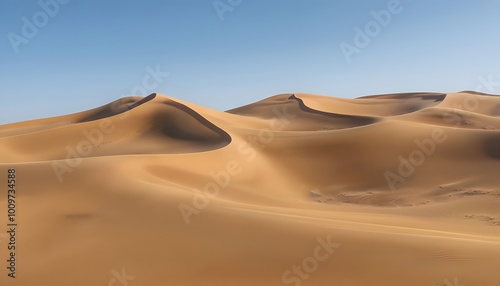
(296, 189)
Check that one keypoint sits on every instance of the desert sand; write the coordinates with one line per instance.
(296, 189)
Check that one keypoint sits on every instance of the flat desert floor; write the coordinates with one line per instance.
(296, 189)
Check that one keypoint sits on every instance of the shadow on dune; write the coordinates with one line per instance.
(300, 117)
(492, 147)
(183, 128)
(155, 125)
(117, 107)
(341, 119)
(165, 126)
(437, 97)
(477, 93)
(183, 123)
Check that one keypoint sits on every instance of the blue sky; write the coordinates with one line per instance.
(227, 53)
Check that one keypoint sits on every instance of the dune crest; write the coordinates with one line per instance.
(304, 118)
(115, 108)
(129, 126)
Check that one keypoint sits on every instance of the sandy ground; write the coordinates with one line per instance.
(296, 189)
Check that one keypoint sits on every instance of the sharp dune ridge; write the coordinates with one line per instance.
(404, 186)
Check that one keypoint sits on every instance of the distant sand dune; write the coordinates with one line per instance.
(395, 189)
(437, 97)
(304, 118)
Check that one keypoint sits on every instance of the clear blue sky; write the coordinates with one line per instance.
(87, 53)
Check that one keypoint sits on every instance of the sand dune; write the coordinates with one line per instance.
(305, 118)
(296, 189)
(161, 126)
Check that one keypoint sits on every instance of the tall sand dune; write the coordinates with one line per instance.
(296, 189)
